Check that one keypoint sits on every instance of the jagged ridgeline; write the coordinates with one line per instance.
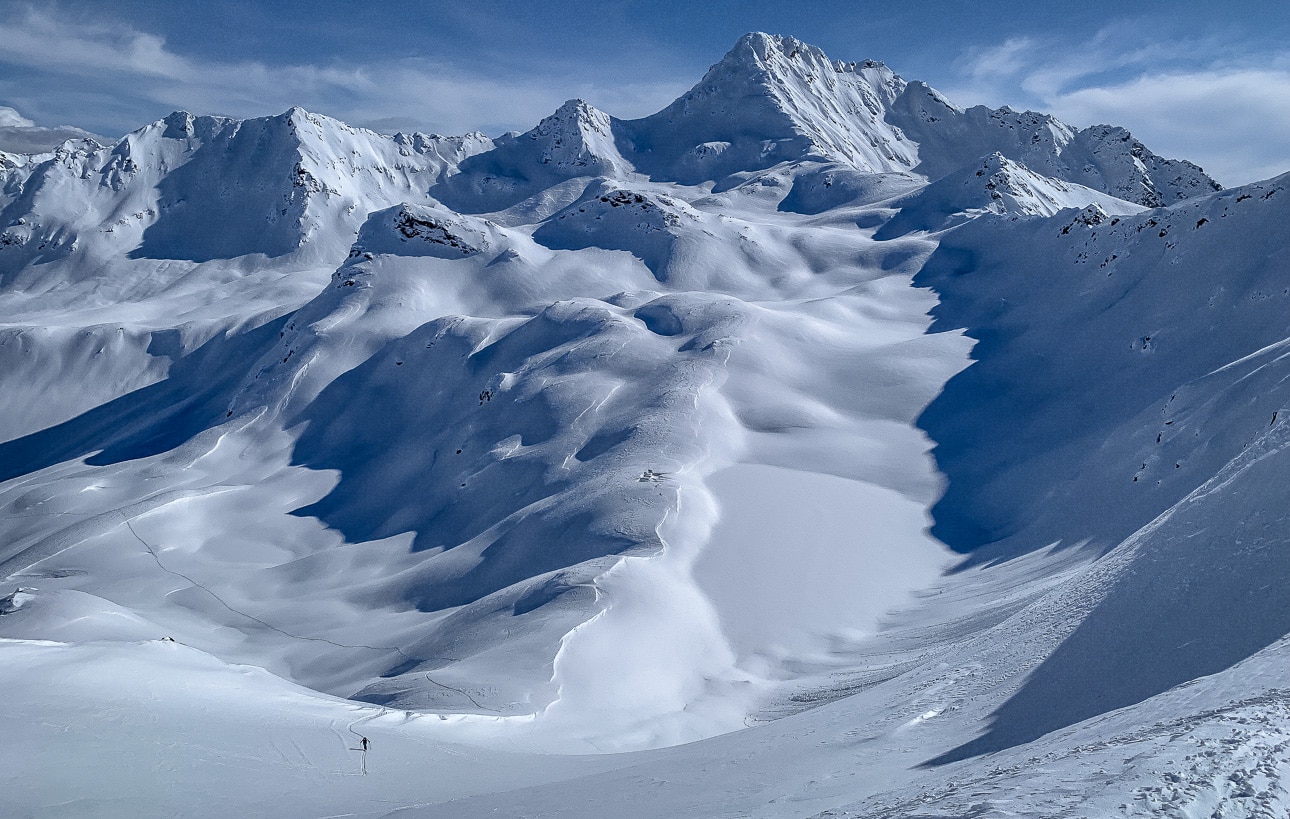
(463, 424)
(197, 189)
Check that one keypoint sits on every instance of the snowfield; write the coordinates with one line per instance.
(811, 448)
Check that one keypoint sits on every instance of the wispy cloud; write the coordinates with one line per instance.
(986, 66)
(20, 135)
(1233, 122)
(1201, 99)
(122, 62)
(10, 118)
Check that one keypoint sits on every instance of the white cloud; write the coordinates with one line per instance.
(10, 118)
(1198, 100)
(19, 139)
(80, 47)
(19, 135)
(1235, 123)
(122, 62)
(989, 65)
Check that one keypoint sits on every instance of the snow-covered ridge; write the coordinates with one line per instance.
(174, 190)
(999, 186)
(196, 189)
(1101, 157)
(773, 99)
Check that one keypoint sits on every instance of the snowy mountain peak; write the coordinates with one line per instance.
(770, 100)
(575, 142)
(296, 119)
(581, 112)
(769, 52)
(780, 60)
(578, 136)
(774, 99)
(178, 125)
(786, 66)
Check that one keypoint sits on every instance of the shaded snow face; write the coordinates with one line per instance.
(1130, 333)
(1146, 394)
(617, 435)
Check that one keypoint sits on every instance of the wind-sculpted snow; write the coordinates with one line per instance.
(493, 439)
(618, 435)
(644, 223)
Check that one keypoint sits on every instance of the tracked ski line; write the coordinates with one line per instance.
(252, 617)
(286, 633)
(463, 693)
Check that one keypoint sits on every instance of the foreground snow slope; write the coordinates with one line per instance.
(894, 456)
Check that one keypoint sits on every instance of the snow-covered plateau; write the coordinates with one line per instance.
(811, 448)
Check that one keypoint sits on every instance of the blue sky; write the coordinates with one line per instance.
(1198, 80)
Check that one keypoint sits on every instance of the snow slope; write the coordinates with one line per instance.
(811, 447)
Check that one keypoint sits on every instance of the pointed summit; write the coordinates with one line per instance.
(577, 137)
(774, 99)
(574, 142)
(776, 59)
(758, 51)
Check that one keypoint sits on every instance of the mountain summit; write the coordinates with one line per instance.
(774, 99)
(575, 141)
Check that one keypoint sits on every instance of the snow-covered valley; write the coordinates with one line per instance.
(812, 447)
